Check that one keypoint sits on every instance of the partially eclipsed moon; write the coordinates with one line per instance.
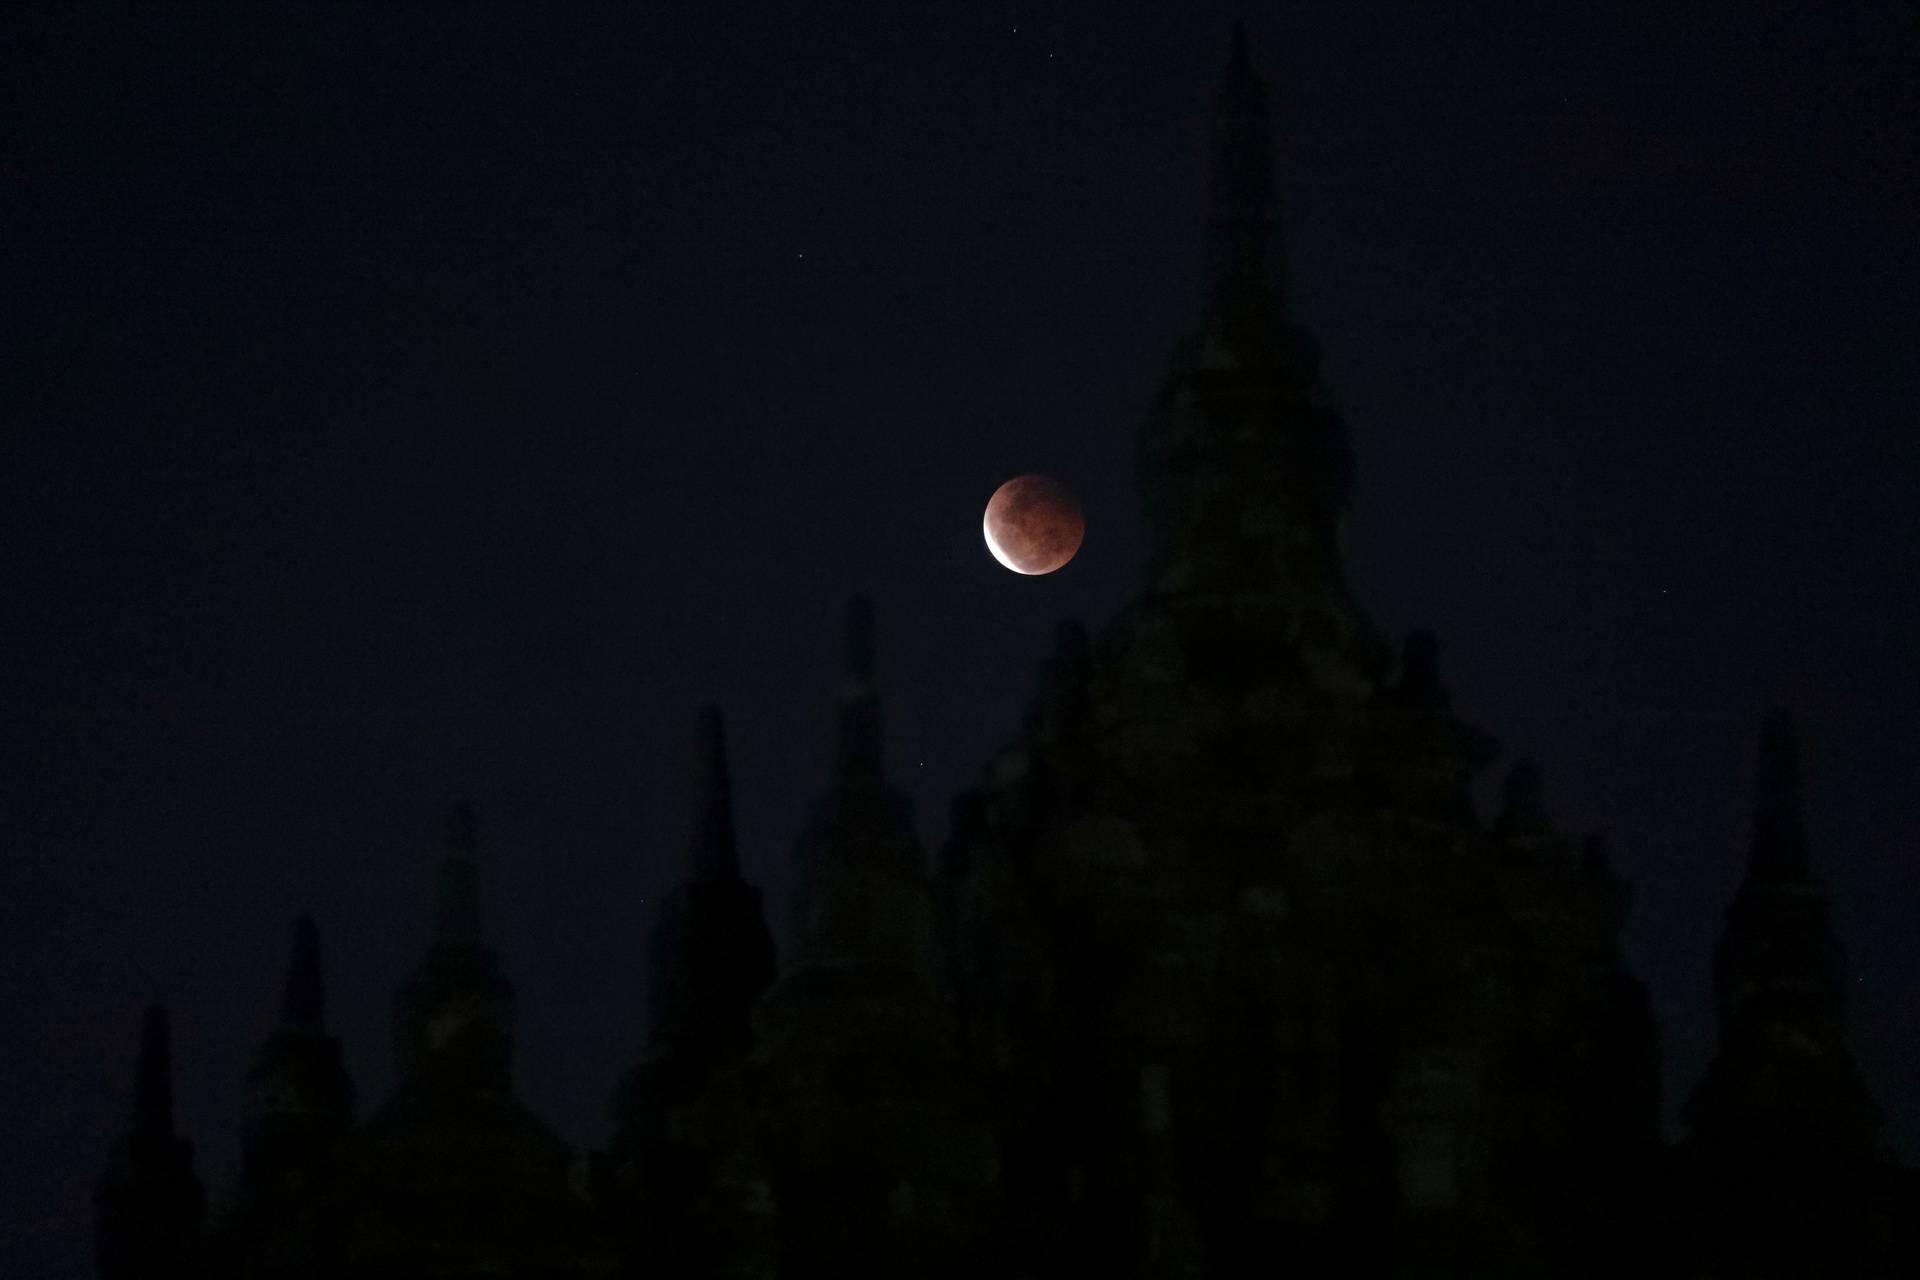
(1033, 525)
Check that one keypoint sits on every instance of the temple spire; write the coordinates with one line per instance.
(1244, 465)
(857, 745)
(859, 871)
(304, 1006)
(153, 1080)
(299, 1111)
(457, 884)
(1243, 242)
(1779, 850)
(457, 1006)
(1785, 1126)
(710, 955)
(714, 852)
(148, 1204)
(1779, 958)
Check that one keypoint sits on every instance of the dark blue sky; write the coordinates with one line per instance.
(411, 401)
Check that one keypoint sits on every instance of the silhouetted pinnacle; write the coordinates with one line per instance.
(1243, 248)
(305, 1004)
(457, 887)
(147, 1205)
(1779, 827)
(714, 853)
(858, 744)
(153, 1079)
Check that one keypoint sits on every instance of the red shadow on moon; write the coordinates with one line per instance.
(1033, 525)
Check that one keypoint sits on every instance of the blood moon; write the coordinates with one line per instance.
(1033, 524)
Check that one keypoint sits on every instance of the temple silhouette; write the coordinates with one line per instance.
(1218, 973)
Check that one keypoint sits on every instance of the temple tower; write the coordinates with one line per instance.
(1244, 466)
(711, 956)
(288, 1218)
(454, 1176)
(859, 875)
(1248, 974)
(454, 1016)
(876, 1167)
(1782, 1126)
(148, 1204)
(687, 1181)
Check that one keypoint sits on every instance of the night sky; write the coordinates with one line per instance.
(413, 402)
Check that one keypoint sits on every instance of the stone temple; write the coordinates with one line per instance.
(1218, 973)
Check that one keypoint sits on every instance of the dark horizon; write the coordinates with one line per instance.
(419, 409)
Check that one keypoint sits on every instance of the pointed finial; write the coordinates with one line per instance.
(1243, 244)
(457, 888)
(1779, 826)
(153, 1078)
(305, 1005)
(858, 742)
(714, 853)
